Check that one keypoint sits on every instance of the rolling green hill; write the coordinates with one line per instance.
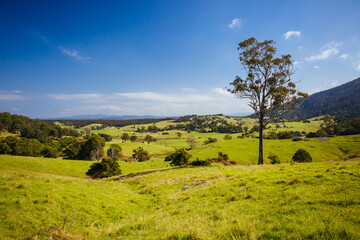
(46, 199)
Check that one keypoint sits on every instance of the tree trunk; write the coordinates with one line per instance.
(261, 154)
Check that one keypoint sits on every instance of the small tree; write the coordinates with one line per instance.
(267, 84)
(140, 154)
(106, 168)
(133, 138)
(191, 141)
(114, 152)
(228, 137)
(149, 139)
(302, 155)
(125, 137)
(179, 158)
(179, 134)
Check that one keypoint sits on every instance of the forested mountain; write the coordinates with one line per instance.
(342, 102)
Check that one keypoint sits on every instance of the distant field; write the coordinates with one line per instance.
(39, 200)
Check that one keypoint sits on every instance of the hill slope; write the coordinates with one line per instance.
(343, 102)
(299, 201)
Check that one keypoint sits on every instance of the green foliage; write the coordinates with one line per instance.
(49, 152)
(106, 168)
(274, 159)
(107, 137)
(179, 158)
(133, 138)
(140, 154)
(92, 148)
(125, 137)
(198, 162)
(73, 148)
(149, 139)
(33, 129)
(114, 152)
(20, 146)
(210, 140)
(302, 155)
(222, 156)
(228, 137)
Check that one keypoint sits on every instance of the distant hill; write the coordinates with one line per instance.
(104, 117)
(342, 102)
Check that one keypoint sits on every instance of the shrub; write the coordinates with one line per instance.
(179, 158)
(133, 138)
(228, 137)
(302, 155)
(274, 159)
(140, 154)
(222, 156)
(198, 162)
(107, 137)
(114, 152)
(49, 152)
(210, 140)
(106, 168)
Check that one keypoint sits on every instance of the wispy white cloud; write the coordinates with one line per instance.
(358, 67)
(296, 63)
(289, 34)
(344, 56)
(236, 23)
(79, 96)
(11, 95)
(165, 97)
(185, 101)
(326, 51)
(73, 54)
(316, 67)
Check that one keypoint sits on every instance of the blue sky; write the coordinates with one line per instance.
(164, 58)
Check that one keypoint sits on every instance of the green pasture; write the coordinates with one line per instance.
(38, 200)
(245, 151)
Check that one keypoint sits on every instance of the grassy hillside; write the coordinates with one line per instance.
(39, 200)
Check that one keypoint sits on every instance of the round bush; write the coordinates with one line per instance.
(106, 168)
(302, 155)
(274, 159)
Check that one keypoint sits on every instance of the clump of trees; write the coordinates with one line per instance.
(210, 140)
(33, 129)
(114, 152)
(106, 168)
(179, 158)
(198, 162)
(331, 128)
(140, 154)
(91, 147)
(107, 137)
